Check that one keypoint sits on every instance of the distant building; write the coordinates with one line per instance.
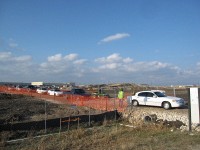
(37, 83)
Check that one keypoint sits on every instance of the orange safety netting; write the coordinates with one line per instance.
(100, 103)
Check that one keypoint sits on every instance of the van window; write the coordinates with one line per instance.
(142, 94)
(149, 94)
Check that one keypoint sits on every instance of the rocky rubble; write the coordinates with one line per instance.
(176, 117)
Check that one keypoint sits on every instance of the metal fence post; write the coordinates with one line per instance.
(78, 122)
(115, 109)
(89, 117)
(68, 123)
(45, 123)
(115, 100)
(60, 125)
(174, 90)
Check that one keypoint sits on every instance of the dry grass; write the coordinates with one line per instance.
(114, 136)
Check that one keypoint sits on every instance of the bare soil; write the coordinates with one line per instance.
(20, 108)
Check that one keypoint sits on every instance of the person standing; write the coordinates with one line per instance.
(120, 97)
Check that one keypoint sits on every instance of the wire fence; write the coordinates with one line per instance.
(100, 102)
(105, 101)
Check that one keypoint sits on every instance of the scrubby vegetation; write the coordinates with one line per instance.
(113, 136)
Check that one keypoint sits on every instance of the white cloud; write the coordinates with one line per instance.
(15, 68)
(23, 58)
(80, 61)
(8, 57)
(198, 64)
(59, 57)
(111, 68)
(5, 55)
(69, 65)
(56, 57)
(71, 57)
(111, 58)
(115, 57)
(114, 37)
(127, 65)
(127, 70)
(127, 60)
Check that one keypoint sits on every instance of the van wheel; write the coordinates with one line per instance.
(166, 105)
(135, 103)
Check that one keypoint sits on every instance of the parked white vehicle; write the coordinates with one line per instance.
(158, 91)
(155, 98)
(55, 92)
(42, 90)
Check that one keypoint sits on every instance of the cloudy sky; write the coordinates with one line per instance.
(100, 41)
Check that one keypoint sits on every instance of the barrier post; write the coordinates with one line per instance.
(106, 104)
(194, 106)
(89, 117)
(115, 100)
(45, 122)
(174, 90)
(78, 122)
(60, 125)
(68, 123)
(115, 109)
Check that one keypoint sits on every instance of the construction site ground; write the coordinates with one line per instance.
(21, 108)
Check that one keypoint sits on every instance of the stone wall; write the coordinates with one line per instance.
(136, 114)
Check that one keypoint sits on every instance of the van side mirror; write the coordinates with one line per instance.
(154, 96)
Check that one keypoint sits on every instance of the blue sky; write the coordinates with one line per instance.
(100, 41)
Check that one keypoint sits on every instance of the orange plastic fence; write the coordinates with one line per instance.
(99, 103)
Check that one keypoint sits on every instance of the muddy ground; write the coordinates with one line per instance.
(20, 108)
